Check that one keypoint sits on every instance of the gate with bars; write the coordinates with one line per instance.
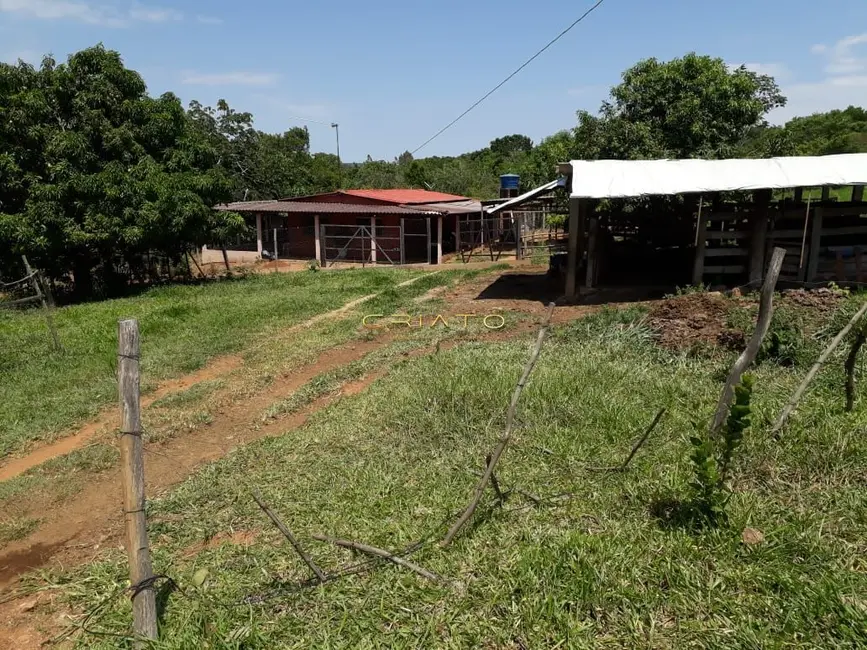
(408, 242)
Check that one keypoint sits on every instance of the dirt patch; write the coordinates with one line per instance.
(820, 299)
(684, 321)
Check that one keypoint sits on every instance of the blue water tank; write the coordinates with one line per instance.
(510, 181)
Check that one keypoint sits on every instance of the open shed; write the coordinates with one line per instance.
(727, 241)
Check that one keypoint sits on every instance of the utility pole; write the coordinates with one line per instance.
(336, 128)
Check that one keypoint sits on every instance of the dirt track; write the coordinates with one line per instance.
(75, 532)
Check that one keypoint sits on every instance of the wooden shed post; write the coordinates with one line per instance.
(700, 247)
(799, 195)
(440, 239)
(259, 233)
(759, 234)
(858, 194)
(144, 608)
(458, 249)
(317, 239)
(826, 193)
(373, 240)
(577, 212)
(815, 243)
(591, 252)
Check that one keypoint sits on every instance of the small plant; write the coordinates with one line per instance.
(691, 289)
(313, 265)
(840, 291)
(712, 458)
(556, 221)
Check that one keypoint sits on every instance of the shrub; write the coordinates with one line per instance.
(712, 457)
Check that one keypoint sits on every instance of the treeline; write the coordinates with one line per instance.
(98, 179)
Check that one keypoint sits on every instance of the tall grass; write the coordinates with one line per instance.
(390, 465)
(43, 394)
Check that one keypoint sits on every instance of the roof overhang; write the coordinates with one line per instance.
(601, 179)
(527, 196)
(314, 208)
(467, 206)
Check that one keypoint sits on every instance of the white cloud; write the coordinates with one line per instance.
(844, 83)
(778, 71)
(209, 20)
(847, 56)
(85, 12)
(230, 79)
(154, 14)
(63, 9)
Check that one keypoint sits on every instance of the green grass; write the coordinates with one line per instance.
(392, 465)
(44, 394)
(264, 360)
(16, 529)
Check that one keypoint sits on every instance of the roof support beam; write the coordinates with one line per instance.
(577, 216)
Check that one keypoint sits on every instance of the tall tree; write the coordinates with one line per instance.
(692, 107)
(95, 171)
(840, 131)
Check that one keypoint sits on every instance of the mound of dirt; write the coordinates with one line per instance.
(701, 318)
(683, 321)
(823, 299)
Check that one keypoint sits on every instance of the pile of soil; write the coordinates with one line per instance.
(683, 321)
(823, 299)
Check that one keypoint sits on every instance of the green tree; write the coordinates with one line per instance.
(511, 144)
(94, 171)
(840, 131)
(692, 107)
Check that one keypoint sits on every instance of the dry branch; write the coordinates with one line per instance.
(644, 438)
(288, 535)
(495, 483)
(860, 337)
(378, 552)
(799, 393)
(766, 311)
(507, 435)
(638, 445)
(529, 495)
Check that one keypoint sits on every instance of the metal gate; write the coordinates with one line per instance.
(360, 244)
(367, 244)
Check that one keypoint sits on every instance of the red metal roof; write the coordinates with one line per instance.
(310, 207)
(394, 197)
(405, 196)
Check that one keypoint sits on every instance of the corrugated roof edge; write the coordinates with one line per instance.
(310, 207)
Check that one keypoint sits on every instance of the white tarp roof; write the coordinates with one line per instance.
(526, 196)
(600, 179)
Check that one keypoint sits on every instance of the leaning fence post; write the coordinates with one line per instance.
(46, 307)
(132, 467)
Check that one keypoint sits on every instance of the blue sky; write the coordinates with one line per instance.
(393, 73)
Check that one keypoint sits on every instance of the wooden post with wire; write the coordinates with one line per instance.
(47, 305)
(144, 608)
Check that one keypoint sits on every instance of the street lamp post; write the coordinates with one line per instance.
(336, 128)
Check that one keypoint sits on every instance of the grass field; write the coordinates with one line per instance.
(44, 394)
(601, 568)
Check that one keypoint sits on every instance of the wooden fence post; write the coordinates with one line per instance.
(35, 282)
(144, 608)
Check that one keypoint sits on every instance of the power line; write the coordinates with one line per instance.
(506, 80)
(304, 119)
